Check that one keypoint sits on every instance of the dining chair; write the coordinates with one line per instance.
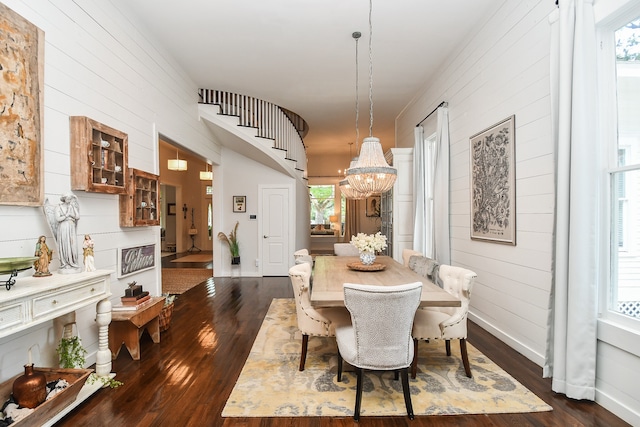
(446, 323)
(379, 334)
(300, 252)
(345, 249)
(304, 258)
(426, 267)
(312, 321)
(407, 254)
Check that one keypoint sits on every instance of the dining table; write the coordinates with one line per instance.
(330, 273)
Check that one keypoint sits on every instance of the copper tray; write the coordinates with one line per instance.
(358, 266)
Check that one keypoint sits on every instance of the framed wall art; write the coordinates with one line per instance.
(372, 207)
(171, 208)
(239, 203)
(493, 195)
(135, 259)
(22, 85)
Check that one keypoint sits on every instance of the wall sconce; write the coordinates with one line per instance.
(177, 164)
(206, 175)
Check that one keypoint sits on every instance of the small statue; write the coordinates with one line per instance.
(44, 258)
(87, 250)
(63, 219)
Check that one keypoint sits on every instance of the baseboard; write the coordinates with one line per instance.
(518, 346)
(630, 415)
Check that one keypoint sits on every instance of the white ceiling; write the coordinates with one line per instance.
(300, 54)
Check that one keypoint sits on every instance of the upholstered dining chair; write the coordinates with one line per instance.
(379, 334)
(446, 323)
(312, 321)
(304, 258)
(345, 249)
(300, 252)
(407, 254)
(426, 267)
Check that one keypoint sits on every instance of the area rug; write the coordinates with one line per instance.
(270, 384)
(180, 280)
(195, 258)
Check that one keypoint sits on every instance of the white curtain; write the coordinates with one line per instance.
(431, 191)
(571, 346)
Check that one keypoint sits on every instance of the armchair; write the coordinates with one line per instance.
(447, 323)
(312, 321)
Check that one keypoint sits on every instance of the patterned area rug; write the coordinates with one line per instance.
(270, 384)
(180, 280)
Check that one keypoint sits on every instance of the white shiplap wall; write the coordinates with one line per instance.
(503, 69)
(98, 63)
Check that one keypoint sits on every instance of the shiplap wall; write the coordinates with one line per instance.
(503, 69)
(97, 63)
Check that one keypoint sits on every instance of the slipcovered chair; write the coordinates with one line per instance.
(304, 258)
(379, 334)
(345, 249)
(407, 254)
(446, 323)
(312, 321)
(426, 267)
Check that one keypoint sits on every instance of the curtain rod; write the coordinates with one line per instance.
(442, 104)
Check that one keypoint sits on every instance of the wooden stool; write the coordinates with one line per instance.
(127, 327)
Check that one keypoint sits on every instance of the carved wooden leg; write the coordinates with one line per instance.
(103, 356)
(303, 351)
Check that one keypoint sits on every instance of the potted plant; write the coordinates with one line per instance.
(232, 241)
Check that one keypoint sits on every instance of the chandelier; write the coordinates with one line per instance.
(371, 173)
(206, 175)
(345, 187)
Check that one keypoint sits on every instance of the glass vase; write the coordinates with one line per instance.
(367, 258)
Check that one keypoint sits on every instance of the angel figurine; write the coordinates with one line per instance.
(63, 219)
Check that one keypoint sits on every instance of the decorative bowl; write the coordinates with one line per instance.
(9, 265)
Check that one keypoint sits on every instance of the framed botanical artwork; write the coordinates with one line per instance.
(493, 186)
(239, 203)
(372, 207)
(171, 208)
(21, 129)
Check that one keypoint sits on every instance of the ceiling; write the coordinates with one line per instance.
(300, 54)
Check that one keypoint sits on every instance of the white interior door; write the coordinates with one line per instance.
(275, 230)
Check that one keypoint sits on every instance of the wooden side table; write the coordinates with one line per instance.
(127, 327)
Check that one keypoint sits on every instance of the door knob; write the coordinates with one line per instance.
(265, 237)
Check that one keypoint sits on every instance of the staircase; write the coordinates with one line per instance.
(282, 129)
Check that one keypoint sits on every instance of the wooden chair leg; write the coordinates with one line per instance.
(396, 375)
(465, 357)
(447, 344)
(407, 392)
(303, 353)
(414, 362)
(356, 411)
(339, 367)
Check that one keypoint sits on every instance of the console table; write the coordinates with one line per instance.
(35, 300)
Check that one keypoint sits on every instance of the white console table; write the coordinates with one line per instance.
(35, 300)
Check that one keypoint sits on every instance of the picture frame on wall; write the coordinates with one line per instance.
(239, 203)
(171, 208)
(372, 208)
(21, 130)
(493, 186)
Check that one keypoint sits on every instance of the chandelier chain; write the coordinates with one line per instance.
(370, 72)
(357, 100)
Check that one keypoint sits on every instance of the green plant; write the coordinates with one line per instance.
(168, 299)
(232, 240)
(106, 381)
(71, 353)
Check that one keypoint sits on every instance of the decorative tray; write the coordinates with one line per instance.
(358, 266)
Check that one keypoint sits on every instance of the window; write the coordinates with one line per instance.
(623, 296)
(322, 204)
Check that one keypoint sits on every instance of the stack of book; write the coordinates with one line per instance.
(134, 297)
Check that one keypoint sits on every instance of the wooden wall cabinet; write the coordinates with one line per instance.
(140, 206)
(98, 157)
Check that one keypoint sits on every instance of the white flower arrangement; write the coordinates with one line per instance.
(369, 242)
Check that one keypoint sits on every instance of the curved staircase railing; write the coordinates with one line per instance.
(285, 128)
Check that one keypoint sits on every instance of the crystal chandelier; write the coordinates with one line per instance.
(345, 187)
(371, 173)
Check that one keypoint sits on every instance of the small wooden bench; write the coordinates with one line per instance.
(127, 327)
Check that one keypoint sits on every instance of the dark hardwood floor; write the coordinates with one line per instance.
(186, 379)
